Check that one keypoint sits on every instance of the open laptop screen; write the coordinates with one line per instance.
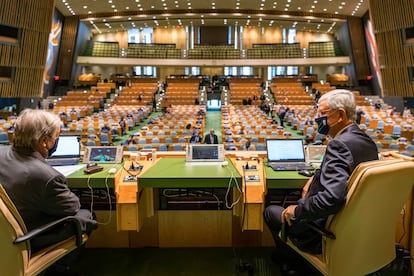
(285, 150)
(68, 147)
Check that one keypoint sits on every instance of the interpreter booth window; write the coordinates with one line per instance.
(194, 71)
(141, 35)
(230, 71)
(408, 36)
(238, 71)
(6, 73)
(150, 71)
(411, 74)
(9, 35)
(273, 71)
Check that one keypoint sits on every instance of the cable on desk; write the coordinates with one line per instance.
(109, 200)
(180, 193)
(232, 178)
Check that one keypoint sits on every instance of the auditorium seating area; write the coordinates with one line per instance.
(291, 94)
(141, 50)
(244, 89)
(324, 49)
(103, 49)
(181, 91)
(89, 79)
(213, 52)
(275, 50)
(242, 122)
(138, 93)
(389, 131)
(170, 131)
(257, 51)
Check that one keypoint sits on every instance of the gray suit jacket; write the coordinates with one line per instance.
(40, 193)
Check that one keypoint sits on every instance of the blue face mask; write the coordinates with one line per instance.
(53, 149)
(323, 127)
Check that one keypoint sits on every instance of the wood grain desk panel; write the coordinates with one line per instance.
(284, 179)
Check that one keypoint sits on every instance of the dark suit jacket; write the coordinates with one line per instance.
(40, 193)
(207, 139)
(327, 192)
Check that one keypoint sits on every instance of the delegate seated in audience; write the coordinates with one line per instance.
(40, 193)
(105, 128)
(130, 141)
(195, 137)
(325, 193)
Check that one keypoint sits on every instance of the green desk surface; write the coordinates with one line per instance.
(96, 180)
(284, 179)
(176, 173)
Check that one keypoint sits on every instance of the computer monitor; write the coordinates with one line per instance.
(205, 153)
(103, 154)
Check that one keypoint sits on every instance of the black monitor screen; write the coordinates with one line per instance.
(205, 153)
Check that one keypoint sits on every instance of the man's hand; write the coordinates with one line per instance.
(288, 213)
(306, 187)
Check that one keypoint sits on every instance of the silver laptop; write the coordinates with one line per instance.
(315, 153)
(286, 155)
(67, 151)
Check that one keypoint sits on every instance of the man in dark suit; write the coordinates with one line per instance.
(324, 193)
(211, 138)
(40, 192)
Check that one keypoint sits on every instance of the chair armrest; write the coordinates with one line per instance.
(323, 232)
(40, 230)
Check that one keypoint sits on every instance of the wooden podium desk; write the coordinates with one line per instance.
(78, 179)
(147, 225)
(175, 172)
(284, 179)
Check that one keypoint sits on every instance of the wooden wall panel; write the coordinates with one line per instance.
(359, 52)
(388, 15)
(67, 47)
(389, 19)
(33, 18)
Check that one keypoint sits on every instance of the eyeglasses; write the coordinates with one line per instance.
(326, 112)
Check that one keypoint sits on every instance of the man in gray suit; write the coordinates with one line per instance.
(325, 193)
(40, 193)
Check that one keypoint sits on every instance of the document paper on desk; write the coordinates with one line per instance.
(286, 155)
(67, 170)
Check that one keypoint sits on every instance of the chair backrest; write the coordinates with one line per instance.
(15, 257)
(365, 227)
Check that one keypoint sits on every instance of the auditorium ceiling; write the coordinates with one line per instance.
(323, 16)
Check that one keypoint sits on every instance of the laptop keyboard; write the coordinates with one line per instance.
(291, 166)
(63, 161)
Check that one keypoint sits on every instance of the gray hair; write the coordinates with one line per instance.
(341, 98)
(31, 125)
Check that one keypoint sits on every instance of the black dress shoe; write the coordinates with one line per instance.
(291, 270)
(59, 270)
